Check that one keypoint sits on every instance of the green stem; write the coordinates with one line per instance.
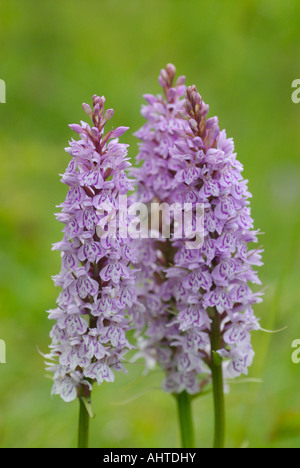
(185, 420)
(218, 384)
(84, 419)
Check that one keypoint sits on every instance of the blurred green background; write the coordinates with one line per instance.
(243, 57)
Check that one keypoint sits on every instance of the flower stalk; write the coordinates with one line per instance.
(218, 383)
(184, 406)
(85, 413)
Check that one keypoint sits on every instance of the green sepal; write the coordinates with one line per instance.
(217, 359)
(88, 405)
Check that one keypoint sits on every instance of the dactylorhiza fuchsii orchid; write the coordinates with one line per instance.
(198, 302)
(92, 315)
(190, 303)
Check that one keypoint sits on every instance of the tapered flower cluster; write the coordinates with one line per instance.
(187, 159)
(89, 336)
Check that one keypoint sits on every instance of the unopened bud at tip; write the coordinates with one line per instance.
(193, 125)
(87, 109)
(76, 128)
(108, 114)
(171, 70)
